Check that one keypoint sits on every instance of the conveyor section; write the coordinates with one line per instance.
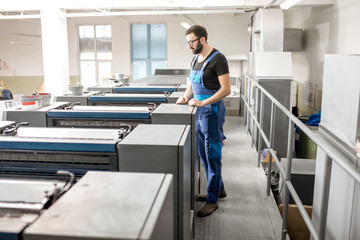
(81, 99)
(145, 89)
(43, 151)
(115, 206)
(22, 201)
(125, 98)
(99, 116)
(35, 118)
(161, 80)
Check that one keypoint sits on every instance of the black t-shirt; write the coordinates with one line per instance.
(216, 67)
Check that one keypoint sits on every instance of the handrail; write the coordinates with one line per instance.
(331, 155)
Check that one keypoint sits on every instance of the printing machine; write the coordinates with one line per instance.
(108, 85)
(130, 95)
(22, 201)
(102, 89)
(161, 80)
(115, 116)
(173, 92)
(62, 114)
(91, 209)
(175, 96)
(111, 117)
(35, 118)
(146, 89)
(128, 99)
(81, 99)
(36, 152)
(99, 116)
(152, 148)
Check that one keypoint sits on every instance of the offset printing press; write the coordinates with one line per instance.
(129, 99)
(90, 209)
(137, 95)
(23, 200)
(156, 148)
(37, 152)
(165, 79)
(82, 99)
(35, 118)
(173, 92)
(115, 116)
(64, 114)
(146, 89)
(99, 116)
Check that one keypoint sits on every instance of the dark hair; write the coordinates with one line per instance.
(198, 31)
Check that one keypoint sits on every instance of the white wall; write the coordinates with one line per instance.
(24, 57)
(327, 30)
(227, 33)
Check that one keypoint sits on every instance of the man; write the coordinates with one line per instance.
(209, 84)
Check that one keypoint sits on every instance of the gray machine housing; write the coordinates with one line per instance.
(183, 114)
(174, 96)
(22, 201)
(281, 90)
(158, 80)
(151, 148)
(35, 118)
(302, 178)
(167, 149)
(82, 99)
(107, 206)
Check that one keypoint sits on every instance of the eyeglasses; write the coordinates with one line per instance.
(191, 42)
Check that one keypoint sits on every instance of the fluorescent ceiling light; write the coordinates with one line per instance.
(131, 13)
(185, 25)
(289, 3)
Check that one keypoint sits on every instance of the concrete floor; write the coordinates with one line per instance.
(247, 213)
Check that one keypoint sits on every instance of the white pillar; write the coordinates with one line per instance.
(55, 49)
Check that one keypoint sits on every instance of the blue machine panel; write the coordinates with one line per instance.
(126, 99)
(144, 89)
(106, 146)
(97, 114)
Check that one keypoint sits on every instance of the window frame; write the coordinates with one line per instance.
(96, 60)
(148, 59)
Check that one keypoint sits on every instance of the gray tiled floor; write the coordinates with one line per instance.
(247, 213)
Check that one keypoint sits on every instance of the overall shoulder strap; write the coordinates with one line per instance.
(209, 59)
(194, 61)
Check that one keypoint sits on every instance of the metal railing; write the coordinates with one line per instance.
(250, 114)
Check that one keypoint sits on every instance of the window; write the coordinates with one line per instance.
(148, 49)
(95, 53)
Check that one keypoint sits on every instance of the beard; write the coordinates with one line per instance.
(198, 49)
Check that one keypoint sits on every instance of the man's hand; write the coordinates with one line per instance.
(182, 100)
(194, 102)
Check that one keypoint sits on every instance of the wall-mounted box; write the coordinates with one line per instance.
(292, 40)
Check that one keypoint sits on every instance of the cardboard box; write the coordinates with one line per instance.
(266, 159)
(297, 228)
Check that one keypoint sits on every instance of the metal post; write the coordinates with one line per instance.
(249, 108)
(325, 197)
(271, 141)
(246, 99)
(261, 126)
(253, 139)
(287, 178)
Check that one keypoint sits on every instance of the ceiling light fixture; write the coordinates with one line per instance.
(288, 4)
(185, 25)
(131, 13)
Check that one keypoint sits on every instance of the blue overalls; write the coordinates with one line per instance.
(210, 131)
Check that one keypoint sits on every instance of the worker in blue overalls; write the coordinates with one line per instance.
(209, 83)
